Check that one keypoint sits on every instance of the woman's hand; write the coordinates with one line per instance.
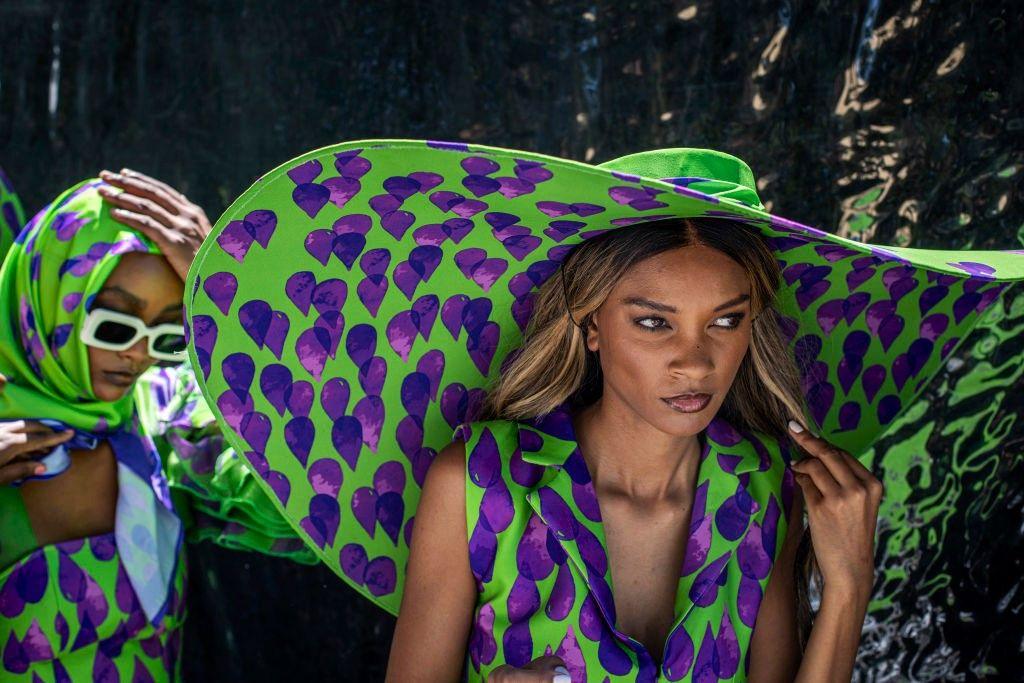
(842, 499)
(20, 440)
(548, 669)
(176, 225)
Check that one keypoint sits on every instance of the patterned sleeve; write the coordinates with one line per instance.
(216, 494)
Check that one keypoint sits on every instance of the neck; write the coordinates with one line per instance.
(626, 454)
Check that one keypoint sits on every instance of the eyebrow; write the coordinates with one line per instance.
(665, 308)
(136, 303)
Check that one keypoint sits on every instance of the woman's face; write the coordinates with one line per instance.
(676, 323)
(144, 286)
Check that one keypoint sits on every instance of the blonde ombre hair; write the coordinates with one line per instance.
(553, 364)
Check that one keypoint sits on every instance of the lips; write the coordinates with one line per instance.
(688, 403)
(119, 379)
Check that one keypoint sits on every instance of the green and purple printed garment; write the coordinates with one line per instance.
(538, 552)
(350, 309)
(12, 216)
(215, 492)
(107, 607)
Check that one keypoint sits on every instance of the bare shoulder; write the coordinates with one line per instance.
(448, 470)
(444, 492)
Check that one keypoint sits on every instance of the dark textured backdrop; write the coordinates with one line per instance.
(893, 122)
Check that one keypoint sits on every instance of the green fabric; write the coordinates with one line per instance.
(69, 614)
(539, 555)
(215, 492)
(719, 174)
(350, 309)
(18, 537)
(44, 303)
(12, 216)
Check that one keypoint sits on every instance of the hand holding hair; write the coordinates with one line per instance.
(842, 507)
(842, 499)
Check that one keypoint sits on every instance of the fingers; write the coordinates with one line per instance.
(548, 669)
(833, 471)
(832, 457)
(147, 225)
(138, 205)
(19, 470)
(20, 443)
(143, 178)
(143, 190)
(820, 477)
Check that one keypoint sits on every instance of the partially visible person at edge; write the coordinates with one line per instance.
(106, 468)
(634, 348)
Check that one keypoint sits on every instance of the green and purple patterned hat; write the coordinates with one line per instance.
(350, 309)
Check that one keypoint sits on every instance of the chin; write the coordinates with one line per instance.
(109, 393)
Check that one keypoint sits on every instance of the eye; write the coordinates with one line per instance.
(733, 319)
(651, 322)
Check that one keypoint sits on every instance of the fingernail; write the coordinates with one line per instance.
(796, 426)
(561, 675)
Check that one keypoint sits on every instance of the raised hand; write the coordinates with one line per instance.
(842, 499)
(154, 208)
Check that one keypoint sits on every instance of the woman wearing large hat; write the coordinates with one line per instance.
(622, 497)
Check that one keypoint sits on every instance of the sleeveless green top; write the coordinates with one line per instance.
(538, 553)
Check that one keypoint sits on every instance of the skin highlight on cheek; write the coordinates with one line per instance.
(144, 286)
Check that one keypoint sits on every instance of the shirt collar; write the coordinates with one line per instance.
(549, 440)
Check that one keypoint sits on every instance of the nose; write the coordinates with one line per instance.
(691, 357)
(137, 354)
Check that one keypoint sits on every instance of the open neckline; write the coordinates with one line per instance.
(678, 615)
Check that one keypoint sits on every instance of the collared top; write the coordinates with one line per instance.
(538, 552)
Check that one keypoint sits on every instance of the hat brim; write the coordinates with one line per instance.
(348, 309)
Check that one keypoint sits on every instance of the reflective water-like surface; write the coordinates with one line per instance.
(894, 123)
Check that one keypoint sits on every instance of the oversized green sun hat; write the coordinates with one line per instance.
(349, 309)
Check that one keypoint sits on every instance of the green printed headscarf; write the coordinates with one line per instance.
(12, 216)
(47, 284)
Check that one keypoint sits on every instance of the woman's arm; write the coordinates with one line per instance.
(440, 594)
(842, 499)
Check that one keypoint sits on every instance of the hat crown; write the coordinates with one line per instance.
(706, 170)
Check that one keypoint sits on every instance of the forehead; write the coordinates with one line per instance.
(686, 275)
(146, 278)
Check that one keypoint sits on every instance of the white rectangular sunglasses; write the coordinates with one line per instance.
(114, 331)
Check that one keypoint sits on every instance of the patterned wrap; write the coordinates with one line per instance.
(107, 607)
(538, 553)
(12, 216)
